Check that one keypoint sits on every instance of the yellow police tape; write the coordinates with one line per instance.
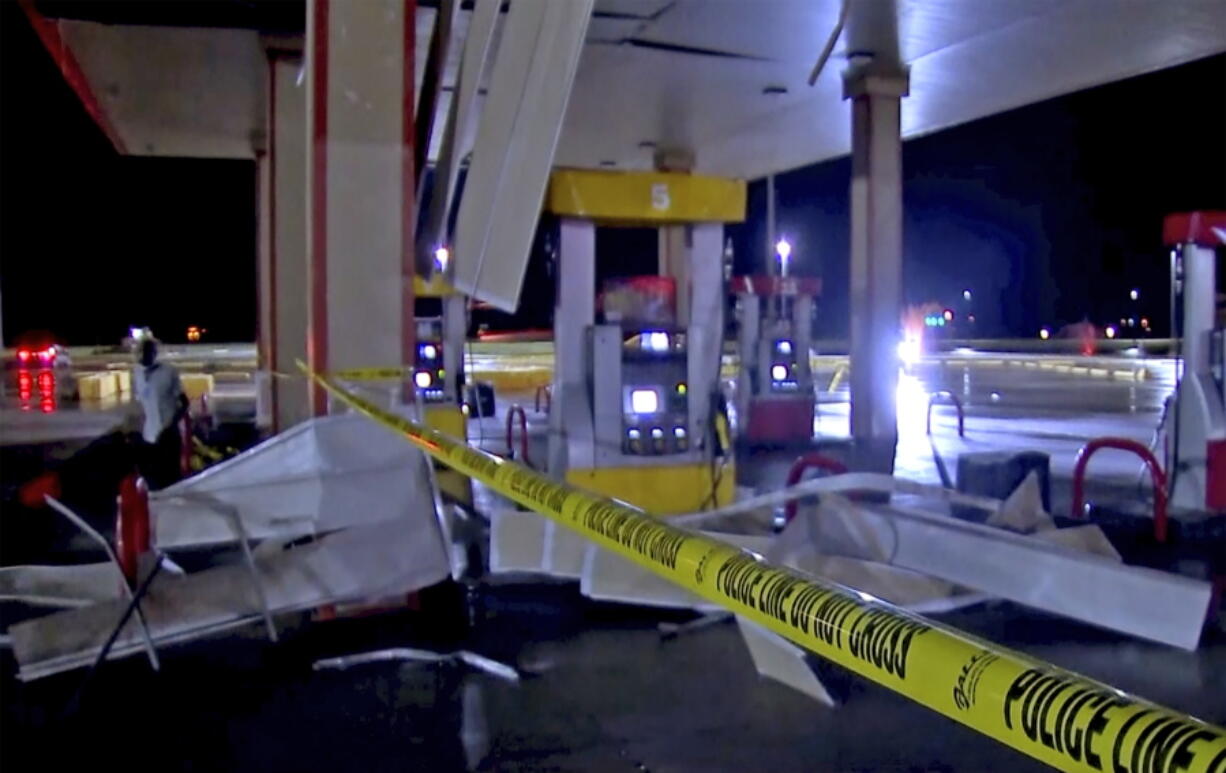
(372, 374)
(1058, 717)
(507, 380)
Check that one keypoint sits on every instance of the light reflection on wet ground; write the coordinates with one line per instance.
(1013, 407)
(1011, 404)
(37, 388)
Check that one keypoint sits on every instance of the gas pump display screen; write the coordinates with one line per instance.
(644, 401)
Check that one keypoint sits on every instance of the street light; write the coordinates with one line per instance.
(784, 250)
(1134, 294)
(1044, 333)
(966, 295)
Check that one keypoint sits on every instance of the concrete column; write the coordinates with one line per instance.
(360, 184)
(674, 260)
(749, 315)
(876, 260)
(1199, 409)
(705, 322)
(570, 422)
(674, 240)
(263, 253)
(1199, 306)
(283, 269)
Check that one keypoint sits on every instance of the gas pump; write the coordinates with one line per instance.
(646, 376)
(774, 398)
(636, 409)
(438, 370)
(429, 369)
(1196, 421)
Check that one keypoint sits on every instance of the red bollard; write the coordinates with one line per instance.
(946, 394)
(1157, 478)
(523, 433)
(808, 461)
(547, 391)
(133, 531)
(185, 445)
(33, 493)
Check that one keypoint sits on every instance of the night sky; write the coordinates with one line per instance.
(1049, 214)
(92, 242)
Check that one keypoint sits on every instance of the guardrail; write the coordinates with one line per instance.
(1053, 715)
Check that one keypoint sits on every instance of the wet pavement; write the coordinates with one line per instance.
(47, 417)
(1011, 403)
(600, 689)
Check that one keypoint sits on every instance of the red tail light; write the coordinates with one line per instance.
(23, 355)
(47, 355)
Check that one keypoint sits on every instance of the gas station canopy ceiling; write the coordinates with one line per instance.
(723, 78)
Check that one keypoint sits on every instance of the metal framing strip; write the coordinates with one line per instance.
(1056, 716)
(230, 514)
(458, 133)
(90, 531)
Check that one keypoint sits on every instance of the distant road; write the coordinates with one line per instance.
(517, 354)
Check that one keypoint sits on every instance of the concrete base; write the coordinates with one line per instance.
(780, 421)
(873, 454)
(996, 474)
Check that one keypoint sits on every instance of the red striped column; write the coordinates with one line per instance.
(360, 184)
